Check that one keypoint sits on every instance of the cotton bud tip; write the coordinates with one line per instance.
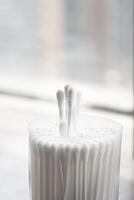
(66, 89)
(70, 96)
(60, 96)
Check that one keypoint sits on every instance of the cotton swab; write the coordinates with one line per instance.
(70, 110)
(60, 100)
(66, 89)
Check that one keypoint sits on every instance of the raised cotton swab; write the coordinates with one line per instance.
(69, 114)
(60, 100)
(70, 110)
(66, 89)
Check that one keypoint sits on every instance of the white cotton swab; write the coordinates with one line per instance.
(70, 110)
(60, 100)
(66, 89)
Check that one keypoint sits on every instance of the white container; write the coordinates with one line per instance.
(84, 166)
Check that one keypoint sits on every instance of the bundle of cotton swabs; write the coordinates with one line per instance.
(68, 105)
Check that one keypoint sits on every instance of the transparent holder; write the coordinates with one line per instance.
(83, 166)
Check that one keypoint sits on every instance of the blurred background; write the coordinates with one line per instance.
(88, 41)
(46, 44)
